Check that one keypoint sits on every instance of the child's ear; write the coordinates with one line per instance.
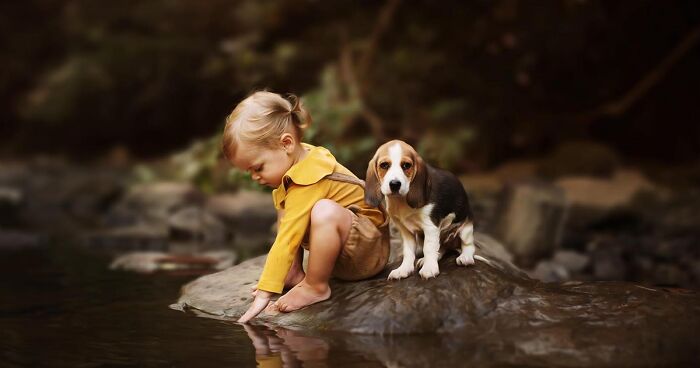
(373, 195)
(287, 142)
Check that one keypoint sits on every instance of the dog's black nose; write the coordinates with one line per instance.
(394, 185)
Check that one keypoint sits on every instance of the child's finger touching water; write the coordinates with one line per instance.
(262, 299)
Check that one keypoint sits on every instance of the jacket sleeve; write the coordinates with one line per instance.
(292, 227)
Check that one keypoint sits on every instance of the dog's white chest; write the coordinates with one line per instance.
(413, 219)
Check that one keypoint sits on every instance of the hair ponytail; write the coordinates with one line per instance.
(300, 117)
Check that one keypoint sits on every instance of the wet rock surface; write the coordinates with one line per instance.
(497, 306)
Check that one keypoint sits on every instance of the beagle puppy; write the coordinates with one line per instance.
(420, 199)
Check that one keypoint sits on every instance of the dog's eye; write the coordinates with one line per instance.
(406, 165)
(384, 165)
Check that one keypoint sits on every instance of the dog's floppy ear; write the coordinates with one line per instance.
(373, 195)
(419, 190)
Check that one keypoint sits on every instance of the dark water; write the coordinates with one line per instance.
(63, 307)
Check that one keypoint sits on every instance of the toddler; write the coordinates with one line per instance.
(320, 205)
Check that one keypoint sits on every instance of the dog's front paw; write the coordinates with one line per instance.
(400, 273)
(430, 269)
(465, 259)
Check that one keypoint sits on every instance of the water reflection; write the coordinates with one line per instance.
(560, 345)
(280, 347)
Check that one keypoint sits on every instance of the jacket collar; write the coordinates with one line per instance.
(317, 164)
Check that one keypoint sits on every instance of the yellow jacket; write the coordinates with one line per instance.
(302, 186)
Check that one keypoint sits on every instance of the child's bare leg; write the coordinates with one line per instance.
(330, 226)
(296, 272)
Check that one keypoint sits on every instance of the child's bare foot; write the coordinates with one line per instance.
(290, 282)
(301, 296)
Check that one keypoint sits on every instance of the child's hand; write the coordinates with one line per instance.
(262, 298)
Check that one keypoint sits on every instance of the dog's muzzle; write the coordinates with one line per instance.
(394, 185)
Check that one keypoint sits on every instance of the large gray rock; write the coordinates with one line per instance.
(593, 200)
(549, 271)
(571, 260)
(194, 223)
(152, 203)
(604, 193)
(531, 220)
(561, 267)
(510, 315)
(370, 306)
(245, 209)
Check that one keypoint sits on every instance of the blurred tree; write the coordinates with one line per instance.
(494, 78)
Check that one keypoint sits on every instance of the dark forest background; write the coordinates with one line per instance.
(473, 84)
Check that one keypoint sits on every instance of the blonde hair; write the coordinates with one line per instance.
(262, 118)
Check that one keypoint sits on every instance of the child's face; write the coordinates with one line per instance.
(266, 166)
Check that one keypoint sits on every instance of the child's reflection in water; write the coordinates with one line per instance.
(286, 348)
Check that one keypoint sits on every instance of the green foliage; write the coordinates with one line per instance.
(198, 163)
(202, 165)
(241, 180)
(334, 107)
(143, 173)
(331, 107)
(447, 149)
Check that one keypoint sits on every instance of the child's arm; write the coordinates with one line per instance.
(293, 223)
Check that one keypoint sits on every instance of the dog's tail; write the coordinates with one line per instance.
(479, 245)
(482, 259)
(499, 257)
